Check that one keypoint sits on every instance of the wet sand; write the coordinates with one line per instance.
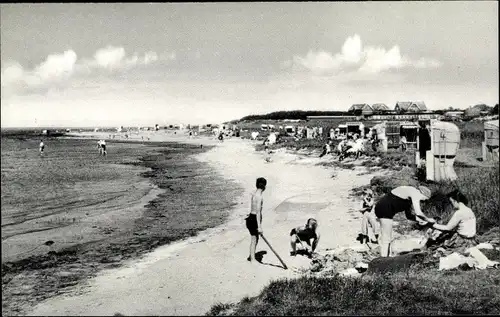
(101, 222)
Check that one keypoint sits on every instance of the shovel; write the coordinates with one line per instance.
(275, 253)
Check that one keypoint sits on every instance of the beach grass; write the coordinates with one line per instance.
(406, 293)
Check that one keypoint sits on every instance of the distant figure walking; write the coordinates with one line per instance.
(42, 147)
(103, 146)
(254, 219)
(267, 157)
(221, 136)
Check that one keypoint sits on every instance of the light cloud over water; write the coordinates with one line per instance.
(353, 57)
(59, 67)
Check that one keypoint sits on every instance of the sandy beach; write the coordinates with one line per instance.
(187, 277)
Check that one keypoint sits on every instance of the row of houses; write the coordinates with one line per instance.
(381, 108)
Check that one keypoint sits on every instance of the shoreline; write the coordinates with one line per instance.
(224, 249)
(71, 269)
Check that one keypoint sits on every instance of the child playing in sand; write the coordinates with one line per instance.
(369, 218)
(305, 234)
(254, 219)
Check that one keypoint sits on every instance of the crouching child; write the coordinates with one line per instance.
(307, 236)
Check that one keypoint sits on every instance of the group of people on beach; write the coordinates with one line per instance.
(101, 146)
(459, 232)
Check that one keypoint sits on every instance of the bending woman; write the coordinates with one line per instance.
(402, 198)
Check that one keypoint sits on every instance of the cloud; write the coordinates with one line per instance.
(109, 57)
(56, 66)
(11, 74)
(61, 66)
(353, 57)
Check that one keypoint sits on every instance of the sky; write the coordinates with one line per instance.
(131, 64)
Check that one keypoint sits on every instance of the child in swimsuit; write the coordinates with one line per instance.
(254, 219)
(305, 234)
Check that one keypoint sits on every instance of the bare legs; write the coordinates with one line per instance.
(293, 244)
(253, 245)
(385, 236)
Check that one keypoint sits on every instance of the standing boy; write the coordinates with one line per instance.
(254, 219)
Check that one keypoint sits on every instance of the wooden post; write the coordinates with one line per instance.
(484, 148)
(429, 159)
(275, 253)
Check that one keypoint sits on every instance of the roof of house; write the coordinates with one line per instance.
(380, 106)
(358, 106)
(420, 105)
(404, 105)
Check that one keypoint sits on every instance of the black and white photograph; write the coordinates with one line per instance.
(250, 158)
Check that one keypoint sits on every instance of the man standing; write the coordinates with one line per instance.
(254, 219)
(424, 138)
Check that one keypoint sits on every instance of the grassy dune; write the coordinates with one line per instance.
(415, 291)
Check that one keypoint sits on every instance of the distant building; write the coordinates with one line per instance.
(410, 106)
(361, 108)
(380, 108)
(454, 115)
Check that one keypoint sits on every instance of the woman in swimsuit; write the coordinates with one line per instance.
(402, 198)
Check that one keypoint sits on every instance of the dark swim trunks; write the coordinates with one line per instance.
(303, 237)
(103, 146)
(389, 205)
(252, 226)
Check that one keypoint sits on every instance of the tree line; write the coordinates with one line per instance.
(303, 114)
